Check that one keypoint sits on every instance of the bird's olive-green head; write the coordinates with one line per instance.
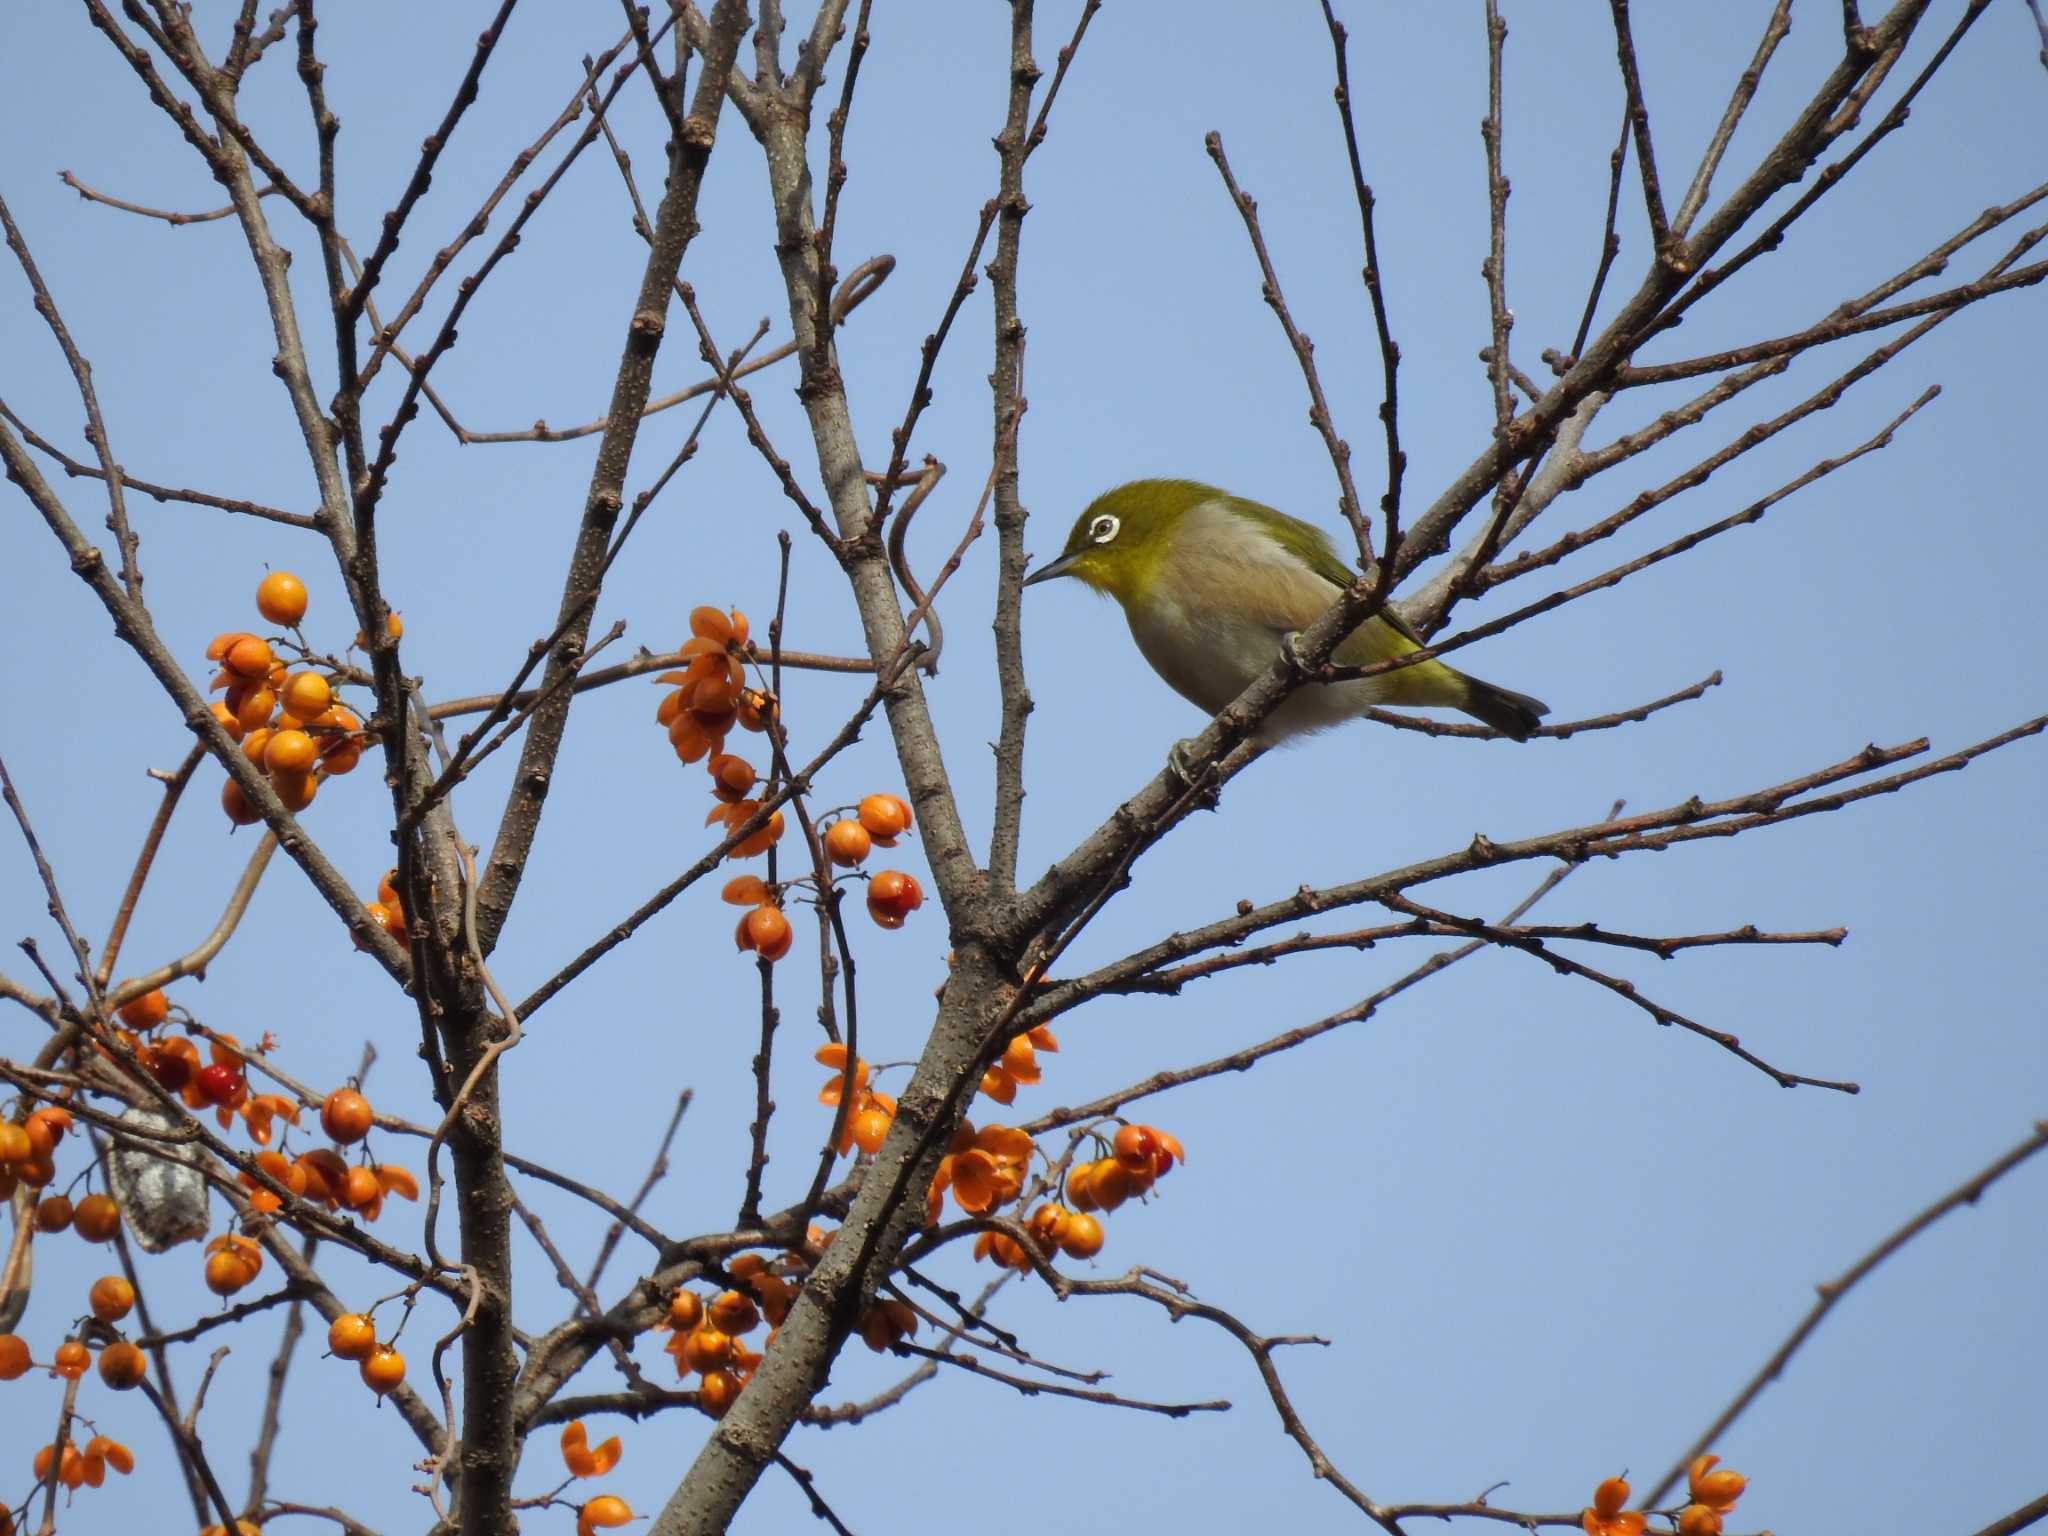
(1116, 546)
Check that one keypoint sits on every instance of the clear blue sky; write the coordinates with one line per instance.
(1545, 1239)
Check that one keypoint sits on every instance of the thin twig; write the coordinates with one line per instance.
(1832, 1291)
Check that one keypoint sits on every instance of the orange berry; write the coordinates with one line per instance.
(289, 752)
(46, 1127)
(871, 1128)
(346, 1116)
(893, 896)
(122, 1365)
(383, 1369)
(775, 1296)
(884, 816)
(1133, 1148)
(229, 722)
(296, 790)
(248, 658)
(685, 1310)
(732, 1313)
(767, 932)
(146, 1011)
(1081, 1187)
(732, 777)
(717, 1393)
(221, 644)
(97, 1218)
(392, 627)
(225, 1274)
(847, 843)
(281, 598)
(379, 914)
(71, 1360)
(53, 1214)
(756, 709)
(14, 1358)
(240, 812)
(360, 1188)
(706, 1348)
(1699, 1520)
(256, 744)
(307, 695)
(334, 725)
(1082, 1238)
(879, 1327)
(604, 1510)
(256, 708)
(325, 1174)
(1717, 1490)
(351, 1336)
(1049, 1225)
(110, 1298)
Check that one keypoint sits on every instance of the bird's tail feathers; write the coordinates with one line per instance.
(1512, 714)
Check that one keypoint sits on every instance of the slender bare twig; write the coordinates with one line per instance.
(79, 953)
(95, 423)
(656, 1172)
(801, 1476)
(77, 470)
(1304, 353)
(1494, 268)
(1174, 1298)
(1565, 965)
(1639, 123)
(1390, 351)
(1610, 242)
(1030, 1388)
(859, 283)
(1775, 30)
(756, 433)
(2036, 1509)
(174, 786)
(1832, 1291)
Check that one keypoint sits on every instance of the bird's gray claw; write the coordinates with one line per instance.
(1290, 648)
(1177, 760)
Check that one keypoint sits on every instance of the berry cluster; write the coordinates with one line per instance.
(121, 1367)
(289, 723)
(353, 1336)
(869, 1114)
(1712, 1496)
(706, 1336)
(606, 1509)
(703, 703)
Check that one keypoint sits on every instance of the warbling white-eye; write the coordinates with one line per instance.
(1213, 585)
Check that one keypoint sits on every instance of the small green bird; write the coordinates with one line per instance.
(1213, 584)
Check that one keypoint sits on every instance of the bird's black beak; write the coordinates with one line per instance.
(1050, 569)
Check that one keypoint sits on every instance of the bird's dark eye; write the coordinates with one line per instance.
(1103, 529)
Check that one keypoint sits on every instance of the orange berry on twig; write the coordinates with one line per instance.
(885, 817)
(351, 1336)
(383, 1370)
(281, 598)
(847, 843)
(146, 1011)
(346, 1116)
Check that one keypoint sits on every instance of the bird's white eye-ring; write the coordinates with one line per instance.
(1103, 529)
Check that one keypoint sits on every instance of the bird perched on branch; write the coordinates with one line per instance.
(1213, 586)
